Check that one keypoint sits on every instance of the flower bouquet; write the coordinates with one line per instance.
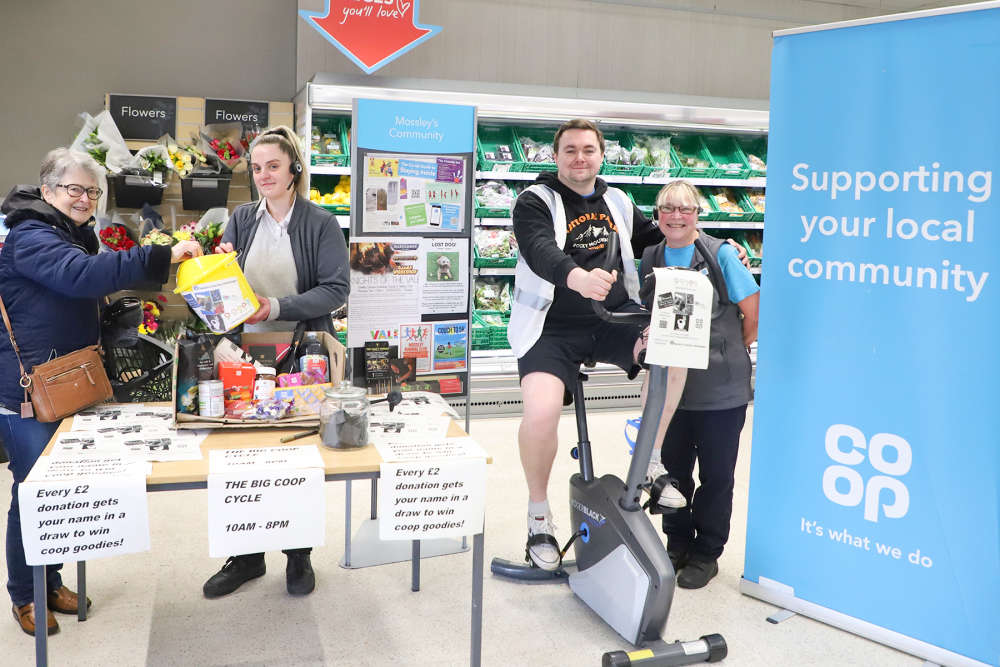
(223, 141)
(150, 318)
(100, 138)
(115, 237)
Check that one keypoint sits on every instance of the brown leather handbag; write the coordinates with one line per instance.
(62, 386)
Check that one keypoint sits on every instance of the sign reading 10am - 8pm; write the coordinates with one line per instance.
(236, 111)
(142, 116)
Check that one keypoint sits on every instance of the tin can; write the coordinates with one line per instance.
(210, 398)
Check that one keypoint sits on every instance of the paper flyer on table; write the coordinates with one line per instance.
(413, 193)
(232, 460)
(396, 427)
(77, 443)
(79, 465)
(122, 415)
(681, 321)
(443, 448)
(165, 445)
(417, 403)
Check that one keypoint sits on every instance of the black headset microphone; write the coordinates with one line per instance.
(296, 170)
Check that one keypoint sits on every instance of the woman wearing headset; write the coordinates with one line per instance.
(293, 254)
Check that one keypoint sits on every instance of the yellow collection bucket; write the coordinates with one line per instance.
(216, 289)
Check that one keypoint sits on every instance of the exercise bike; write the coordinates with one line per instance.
(621, 570)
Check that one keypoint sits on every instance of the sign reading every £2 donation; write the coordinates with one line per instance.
(84, 507)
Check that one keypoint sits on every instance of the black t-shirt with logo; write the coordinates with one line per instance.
(588, 224)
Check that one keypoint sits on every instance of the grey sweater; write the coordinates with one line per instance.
(320, 254)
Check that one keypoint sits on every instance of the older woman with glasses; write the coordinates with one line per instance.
(712, 409)
(52, 280)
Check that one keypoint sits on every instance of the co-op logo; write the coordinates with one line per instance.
(885, 492)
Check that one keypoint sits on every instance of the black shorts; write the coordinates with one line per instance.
(560, 352)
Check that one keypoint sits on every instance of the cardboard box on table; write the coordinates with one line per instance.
(310, 394)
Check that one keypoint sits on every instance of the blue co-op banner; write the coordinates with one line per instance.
(876, 447)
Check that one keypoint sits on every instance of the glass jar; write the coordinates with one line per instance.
(343, 417)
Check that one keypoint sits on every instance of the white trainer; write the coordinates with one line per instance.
(670, 496)
(543, 550)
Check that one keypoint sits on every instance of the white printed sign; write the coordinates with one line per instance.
(234, 460)
(682, 318)
(84, 519)
(407, 428)
(393, 451)
(264, 510)
(431, 499)
(74, 467)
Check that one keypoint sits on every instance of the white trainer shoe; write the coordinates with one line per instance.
(670, 496)
(542, 548)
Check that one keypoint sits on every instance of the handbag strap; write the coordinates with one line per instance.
(25, 379)
(10, 332)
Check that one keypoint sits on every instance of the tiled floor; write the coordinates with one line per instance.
(148, 607)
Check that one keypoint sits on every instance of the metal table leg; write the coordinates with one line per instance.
(477, 600)
(347, 524)
(374, 514)
(81, 590)
(415, 566)
(41, 616)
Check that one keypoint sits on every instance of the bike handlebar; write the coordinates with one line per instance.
(641, 318)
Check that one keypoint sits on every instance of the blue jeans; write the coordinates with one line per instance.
(24, 440)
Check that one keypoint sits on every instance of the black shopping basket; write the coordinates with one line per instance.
(142, 373)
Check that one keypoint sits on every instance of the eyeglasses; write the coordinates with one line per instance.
(74, 190)
(667, 209)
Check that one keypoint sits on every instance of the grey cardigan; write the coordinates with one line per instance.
(320, 254)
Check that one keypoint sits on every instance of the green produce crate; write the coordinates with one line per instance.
(495, 212)
(753, 255)
(758, 214)
(490, 262)
(624, 139)
(660, 171)
(488, 138)
(331, 125)
(342, 337)
(644, 197)
(691, 147)
(727, 157)
(726, 216)
(337, 210)
(480, 333)
(754, 145)
(498, 333)
(540, 135)
(484, 212)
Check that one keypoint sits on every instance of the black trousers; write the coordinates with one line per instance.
(287, 552)
(713, 438)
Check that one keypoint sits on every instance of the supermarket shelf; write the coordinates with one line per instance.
(644, 180)
(505, 176)
(506, 222)
(721, 182)
(329, 170)
(731, 225)
(483, 271)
